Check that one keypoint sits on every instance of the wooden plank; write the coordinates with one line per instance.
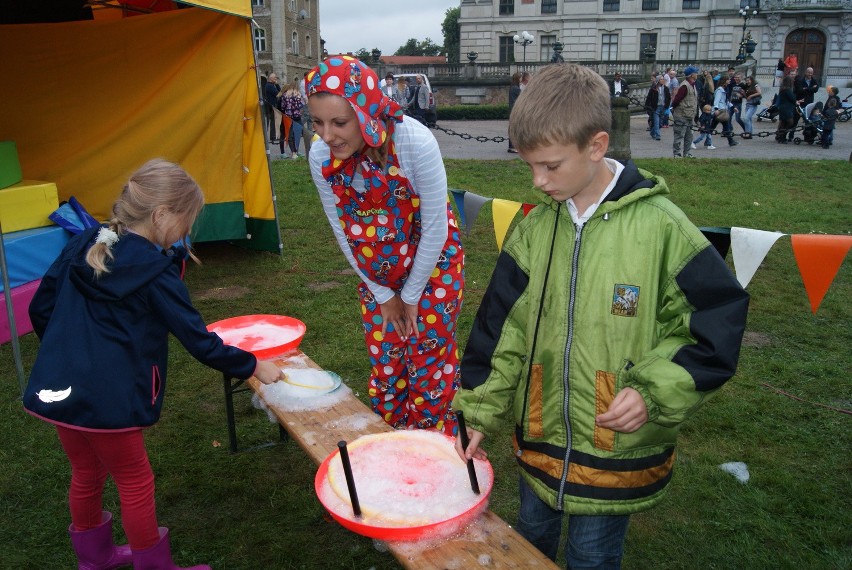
(488, 543)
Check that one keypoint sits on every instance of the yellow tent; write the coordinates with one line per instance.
(89, 101)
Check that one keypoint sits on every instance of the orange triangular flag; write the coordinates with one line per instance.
(819, 257)
(504, 212)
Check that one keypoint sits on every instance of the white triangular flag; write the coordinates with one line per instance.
(749, 247)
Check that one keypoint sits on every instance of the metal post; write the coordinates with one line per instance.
(10, 314)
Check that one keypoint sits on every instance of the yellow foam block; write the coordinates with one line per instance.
(27, 204)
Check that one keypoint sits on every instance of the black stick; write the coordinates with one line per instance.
(471, 470)
(350, 481)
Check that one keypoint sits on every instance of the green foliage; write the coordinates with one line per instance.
(257, 509)
(451, 31)
(474, 112)
(425, 47)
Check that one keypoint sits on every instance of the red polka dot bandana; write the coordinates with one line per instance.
(354, 81)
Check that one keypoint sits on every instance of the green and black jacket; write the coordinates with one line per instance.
(636, 297)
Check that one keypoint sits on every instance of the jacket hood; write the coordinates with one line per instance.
(136, 263)
(632, 185)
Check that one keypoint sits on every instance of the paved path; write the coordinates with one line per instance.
(643, 146)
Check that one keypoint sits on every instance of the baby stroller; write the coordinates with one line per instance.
(769, 113)
(811, 117)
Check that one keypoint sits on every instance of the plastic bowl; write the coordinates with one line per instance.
(341, 511)
(264, 336)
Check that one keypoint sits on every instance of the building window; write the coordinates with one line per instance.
(688, 49)
(611, 5)
(646, 40)
(507, 49)
(257, 2)
(648, 5)
(294, 44)
(507, 7)
(546, 43)
(609, 47)
(691, 4)
(259, 40)
(750, 4)
(292, 5)
(309, 49)
(548, 6)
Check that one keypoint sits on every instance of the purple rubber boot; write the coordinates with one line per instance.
(159, 556)
(95, 549)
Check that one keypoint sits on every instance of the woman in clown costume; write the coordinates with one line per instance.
(383, 187)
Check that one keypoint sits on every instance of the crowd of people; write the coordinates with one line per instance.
(708, 100)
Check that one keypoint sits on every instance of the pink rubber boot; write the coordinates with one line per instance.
(159, 556)
(95, 549)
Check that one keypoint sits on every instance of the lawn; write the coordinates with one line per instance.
(257, 509)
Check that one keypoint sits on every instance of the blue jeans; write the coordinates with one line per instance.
(594, 541)
(706, 137)
(749, 113)
(656, 121)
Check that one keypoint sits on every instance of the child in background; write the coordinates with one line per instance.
(705, 127)
(103, 312)
(829, 117)
(608, 321)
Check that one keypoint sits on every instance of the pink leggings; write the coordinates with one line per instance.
(93, 456)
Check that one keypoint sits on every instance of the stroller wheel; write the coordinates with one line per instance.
(797, 140)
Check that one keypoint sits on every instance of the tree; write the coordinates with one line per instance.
(426, 47)
(452, 34)
(363, 54)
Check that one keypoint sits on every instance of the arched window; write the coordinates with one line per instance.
(259, 39)
(309, 51)
(295, 44)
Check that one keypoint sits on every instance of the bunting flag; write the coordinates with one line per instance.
(819, 257)
(504, 212)
(720, 238)
(472, 204)
(528, 208)
(458, 196)
(749, 249)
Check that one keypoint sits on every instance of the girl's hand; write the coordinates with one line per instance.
(267, 372)
(402, 316)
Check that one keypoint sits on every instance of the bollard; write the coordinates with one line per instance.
(619, 139)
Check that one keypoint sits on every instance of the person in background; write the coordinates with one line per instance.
(609, 319)
(779, 71)
(307, 122)
(829, 117)
(419, 101)
(752, 100)
(405, 92)
(804, 87)
(722, 111)
(618, 87)
(705, 128)
(103, 313)
(382, 183)
(514, 93)
(657, 101)
(791, 64)
(390, 89)
(291, 105)
(525, 78)
(736, 93)
(684, 107)
(270, 96)
(786, 110)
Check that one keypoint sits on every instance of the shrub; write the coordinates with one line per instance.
(473, 112)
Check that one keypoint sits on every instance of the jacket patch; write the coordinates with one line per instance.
(48, 396)
(536, 402)
(625, 300)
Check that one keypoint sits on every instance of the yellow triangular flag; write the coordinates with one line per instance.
(504, 212)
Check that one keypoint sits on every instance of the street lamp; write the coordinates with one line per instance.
(525, 38)
(746, 14)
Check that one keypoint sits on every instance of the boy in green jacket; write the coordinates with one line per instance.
(608, 321)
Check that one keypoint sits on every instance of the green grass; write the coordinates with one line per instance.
(257, 509)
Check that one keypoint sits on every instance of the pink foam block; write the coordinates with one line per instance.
(21, 297)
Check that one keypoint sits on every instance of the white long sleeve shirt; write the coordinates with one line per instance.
(421, 163)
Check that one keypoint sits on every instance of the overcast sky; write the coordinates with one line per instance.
(348, 25)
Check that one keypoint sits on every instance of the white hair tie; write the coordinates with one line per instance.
(107, 236)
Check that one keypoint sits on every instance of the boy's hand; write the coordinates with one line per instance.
(473, 450)
(626, 414)
(267, 372)
(401, 315)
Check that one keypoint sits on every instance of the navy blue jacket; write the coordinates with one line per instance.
(104, 342)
